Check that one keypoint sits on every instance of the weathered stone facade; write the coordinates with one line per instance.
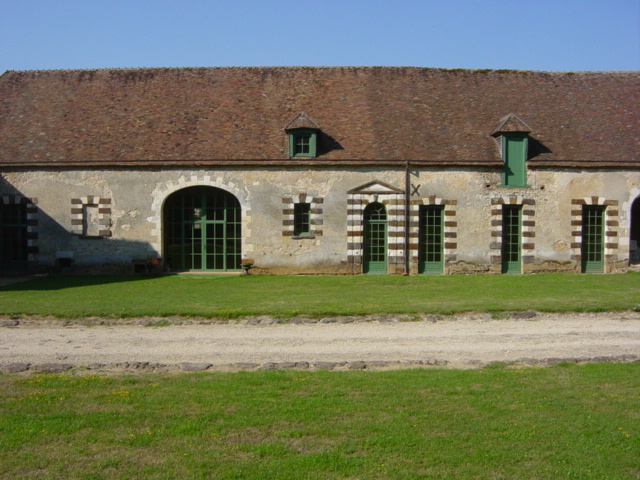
(131, 224)
(94, 157)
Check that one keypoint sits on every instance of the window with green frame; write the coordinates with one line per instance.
(592, 248)
(514, 155)
(431, 236)
(511, 241)
(302, 143)
(302, 219)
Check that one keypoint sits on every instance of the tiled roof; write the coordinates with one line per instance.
(366, 114)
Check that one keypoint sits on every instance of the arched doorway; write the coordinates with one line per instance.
(375, 238)
(13, 238)
(634, 244)
(202, 230)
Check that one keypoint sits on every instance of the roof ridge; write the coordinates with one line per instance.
(325, 67)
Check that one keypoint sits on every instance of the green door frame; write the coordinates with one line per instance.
(375, 239)
(511, 239)
(592, 248)
(13, 238)
(202, 230)
(431, 239)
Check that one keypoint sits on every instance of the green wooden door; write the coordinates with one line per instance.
(514, 173)
(202, 230)
(593, 239)
(13, 239)
(511, 244)
(430, 244)
(375, 239)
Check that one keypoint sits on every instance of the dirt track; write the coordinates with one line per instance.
(375, 343)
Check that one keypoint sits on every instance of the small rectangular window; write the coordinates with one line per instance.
(91, 220)
(302, 143)
(302, 219)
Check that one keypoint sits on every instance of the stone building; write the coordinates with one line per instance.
(319, 170)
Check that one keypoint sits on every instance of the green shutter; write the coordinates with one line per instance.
(514, 172)
(592, 239)
(430, 244)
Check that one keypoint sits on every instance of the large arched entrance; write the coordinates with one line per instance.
(375, 238)
(202, 230)
(634, 246)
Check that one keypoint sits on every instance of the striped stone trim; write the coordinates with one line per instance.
(164, 189)
(624, 232)
(394, 204)
(611, 226)
(79, 209)
(33, 248)
(528, 229)
(315, 214)
(450, 227)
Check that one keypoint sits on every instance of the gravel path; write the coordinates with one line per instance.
(467, 341)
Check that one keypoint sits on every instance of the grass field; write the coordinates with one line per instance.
(316, 296)
(560, 422)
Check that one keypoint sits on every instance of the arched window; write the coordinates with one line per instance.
(202, 230)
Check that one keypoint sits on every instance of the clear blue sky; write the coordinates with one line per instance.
(554, 35)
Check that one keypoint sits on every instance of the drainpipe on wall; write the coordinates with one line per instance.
(407, 195)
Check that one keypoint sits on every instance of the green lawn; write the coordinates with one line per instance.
(285, 296)
(560, 422)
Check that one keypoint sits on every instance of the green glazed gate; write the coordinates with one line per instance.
(202, 230)
(592, 239)
(430, 244)
(511, 243)
(375, 239)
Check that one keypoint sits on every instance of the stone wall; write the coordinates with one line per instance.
(105, 220)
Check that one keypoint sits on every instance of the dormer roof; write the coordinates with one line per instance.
(511, 123)
(302, 120)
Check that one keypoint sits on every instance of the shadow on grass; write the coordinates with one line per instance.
(62, 282)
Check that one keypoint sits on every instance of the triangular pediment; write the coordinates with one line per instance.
(302, 120)
(375, 188)
(511, 124)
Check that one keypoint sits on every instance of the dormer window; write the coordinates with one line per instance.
(513, 135)
(302, 143)
(303, 137)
